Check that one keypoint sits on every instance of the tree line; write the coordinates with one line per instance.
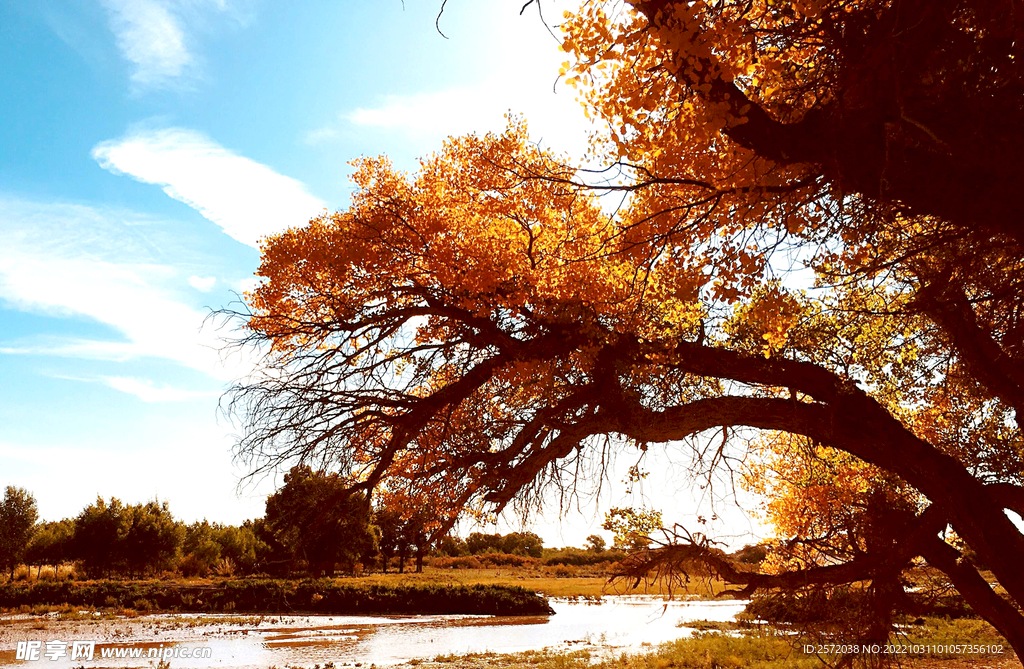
(308, 527)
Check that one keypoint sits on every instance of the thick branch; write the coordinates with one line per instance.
(858, 425)
(918, 533)
(1003, 376)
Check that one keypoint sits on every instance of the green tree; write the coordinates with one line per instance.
(319, 524)
(18, 515)
(404, 531)
(99, 531)
(595, 543)
(392, 541)
(479, 542)
(151, 540)
(201, 549)
(417, 528)
(272, 556)
(522, 543)
(51, 544)
(452, 546)
(240, 546)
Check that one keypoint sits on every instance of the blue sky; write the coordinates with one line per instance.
(147, 146)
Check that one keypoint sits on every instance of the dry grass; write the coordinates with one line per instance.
(27, 574)
(753, 650)
(551, 586)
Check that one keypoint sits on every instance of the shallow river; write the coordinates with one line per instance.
(616, 624)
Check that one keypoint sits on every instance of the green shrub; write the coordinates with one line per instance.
(281, 596)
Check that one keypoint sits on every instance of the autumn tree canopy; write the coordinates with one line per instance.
(484, 326)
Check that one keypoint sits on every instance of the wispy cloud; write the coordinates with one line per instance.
(73, 260)
(151, 37)
(438, 113)
(525, 84)
(321, 135)
(160, 38)
(246, 199)
(147, 391)
(144, 389)
(426, 118)
(203, 284)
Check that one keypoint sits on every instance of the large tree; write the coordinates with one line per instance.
(483, 327)
(316, 524)
(112, 537)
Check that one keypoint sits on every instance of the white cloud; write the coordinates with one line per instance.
(439, 113)
(203, 284)
(158, 36)
(147, 391)
(321, 135)
(150, 36)
(426, 118)
(68, 347)
(246, 199)
(517, 73)
(72, 260)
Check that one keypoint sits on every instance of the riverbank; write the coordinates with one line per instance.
(241, 641)
(617, 633)
(573, 584)
(578, 585)
(276, 596)
(751, 650)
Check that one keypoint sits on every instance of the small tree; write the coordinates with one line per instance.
(18, 516)
(632, 528)
(452, 546)
(201, 549)
(51, 545)
(273, 557)
(392, 541)
(595, 543)
(417, 527)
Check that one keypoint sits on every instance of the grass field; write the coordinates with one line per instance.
(551, 586)
(557, 582)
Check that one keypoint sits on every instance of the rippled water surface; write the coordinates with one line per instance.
(614, 624)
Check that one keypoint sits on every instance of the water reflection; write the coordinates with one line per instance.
(616, 624)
